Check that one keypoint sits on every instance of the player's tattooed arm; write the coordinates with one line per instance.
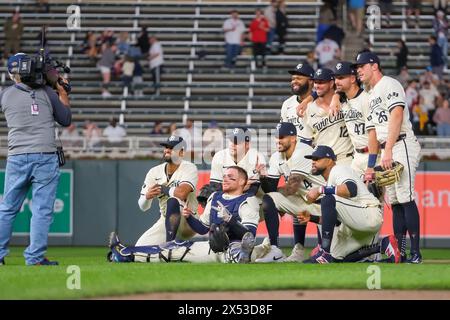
(292, 185)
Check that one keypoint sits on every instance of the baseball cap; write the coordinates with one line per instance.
(321, 152)
(239, 135)
(366, 57)
(13, 62)
(286, 129)
(323, 74)
(344, 68)
(303, 69)
(172, 141)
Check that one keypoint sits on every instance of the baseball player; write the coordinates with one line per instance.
(237, 210)
(346, 202)
(328, 129)
(239, 153)
(301, 87)
(355, 107)
(173, 183)
(391, 130)
(288, 161)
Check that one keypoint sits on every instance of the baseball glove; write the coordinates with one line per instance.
(204, 194)
(218, 238)
(387, 177)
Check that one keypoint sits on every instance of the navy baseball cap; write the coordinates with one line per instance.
(173, 141)
(366, 57)
(322, 152)
(13, 62)
(323, 74)
(303, 69)
(285, 129)
(239, 135)
(344, 68)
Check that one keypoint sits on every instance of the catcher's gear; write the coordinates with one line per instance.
(387, 177)
(204, 194)
(374, 189)
(218, 238)
(222, 212)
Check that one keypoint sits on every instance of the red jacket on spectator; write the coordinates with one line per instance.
(258, 29)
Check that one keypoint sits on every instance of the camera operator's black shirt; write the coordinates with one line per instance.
(32, 130)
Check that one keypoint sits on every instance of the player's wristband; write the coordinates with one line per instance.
(314, 219)
(328, 190)
(372, 160)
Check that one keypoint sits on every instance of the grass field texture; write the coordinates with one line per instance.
(99, 278)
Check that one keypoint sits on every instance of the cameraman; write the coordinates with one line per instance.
(30, 114)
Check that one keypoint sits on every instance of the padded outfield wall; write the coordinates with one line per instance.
(99, 196)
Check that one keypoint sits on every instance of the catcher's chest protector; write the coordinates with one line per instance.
(232, 206)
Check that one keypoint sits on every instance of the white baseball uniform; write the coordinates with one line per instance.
(200, 251)
(289, 114)
(331, 131)
(356, 111)
(296, 164)
(383, 97)
(185, 174)
(361, 216)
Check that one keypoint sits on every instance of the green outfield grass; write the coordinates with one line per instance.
(100, 278)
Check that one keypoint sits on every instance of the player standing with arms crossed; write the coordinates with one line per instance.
(391, 130)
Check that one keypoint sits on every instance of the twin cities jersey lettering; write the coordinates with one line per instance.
(329, 130)
(356, 111)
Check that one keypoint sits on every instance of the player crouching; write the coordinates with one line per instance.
(348, 204)
(230, 218)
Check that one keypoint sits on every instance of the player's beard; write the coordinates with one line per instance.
(168, 158)
(302, 89)
(317, 171)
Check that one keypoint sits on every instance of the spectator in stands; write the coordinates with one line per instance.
(404, 77)
(282, 24)
(157, 129)
(114, 133)
(429, 76)
(108, 36)
(138, 80)
(356, 14)
(413, 7)
(122, 43)
(436, 59)
(334, 32)
(13, 29)
(143, 42)
(234, 29)
(442, 119)
(440, 26)
(430, 97)
(92, 134)
(44, 6)
(327, 52)
(270, 15)
(326, 19)
(156, 61)
(386, 10)
(212, 139)
(440, 5)
(258, 36)
(311, 59)
(128, 71)
(90, 45)
(105, 64)
(444, 89)
(411, 96)
(401, 55)
(70, 136)
(187, 133)
(171, 128)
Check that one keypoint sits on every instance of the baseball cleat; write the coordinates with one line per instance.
(117, 248)
(247, 245)
(297, 255)
(416, 258)
(261, 250)
(321, 257)
(2, 262)
(314, 251)
(275, 255)
(389, 246)
(46, 262)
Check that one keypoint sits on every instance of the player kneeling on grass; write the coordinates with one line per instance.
(348, 204)
(230, 218)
